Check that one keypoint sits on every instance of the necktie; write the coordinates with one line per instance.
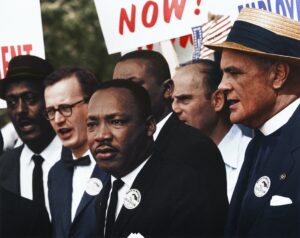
(37, 180)
(83, 161)
(111, 212)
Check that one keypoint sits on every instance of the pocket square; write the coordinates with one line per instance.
(277, 200)
(135, 235)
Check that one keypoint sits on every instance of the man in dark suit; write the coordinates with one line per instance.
(147, 195)
(21, 217)
(261, 82)
(75, 180)
(24, 170)
(173, 139)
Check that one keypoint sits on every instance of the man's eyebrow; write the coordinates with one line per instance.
(230, 69)
(183, 96)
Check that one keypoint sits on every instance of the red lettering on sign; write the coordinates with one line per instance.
(149, 18)
(8, 52)
(27, 49)
(125, 19)
(175, 6)
(4, 51)
(146, 11)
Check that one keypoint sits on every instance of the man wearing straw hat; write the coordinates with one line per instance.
(261, 65)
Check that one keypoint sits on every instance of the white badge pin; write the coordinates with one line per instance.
(262, 186)
(94, 186)
(132, 199)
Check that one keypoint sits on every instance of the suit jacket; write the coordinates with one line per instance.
(10, 170)
(19, 216)
(283, 169)
(60, 200)
(178, 141)
(173, 203)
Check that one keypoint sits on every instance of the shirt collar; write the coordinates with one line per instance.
(160, 124)
(232, 137)
(89, 153)
(47, 153)
(282, 117)
(129, 178)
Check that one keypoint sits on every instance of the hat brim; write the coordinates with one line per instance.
(235, 46)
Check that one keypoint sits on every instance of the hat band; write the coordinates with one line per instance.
(258, 38)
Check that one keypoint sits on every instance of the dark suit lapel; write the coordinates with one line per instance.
(164, 135)
(10, 180)
(101, 205)
(142, 183)
(64, 194)
(86, 198)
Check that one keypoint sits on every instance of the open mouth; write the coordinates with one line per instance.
(64, 132)
(26, 125)
(232, 102)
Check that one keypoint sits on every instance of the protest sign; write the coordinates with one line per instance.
(21, 31)
(128, 24)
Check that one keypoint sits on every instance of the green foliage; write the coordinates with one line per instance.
(73, 36)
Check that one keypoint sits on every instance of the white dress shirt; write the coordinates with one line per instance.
(51, 155)
(232, 148)
(160, 125)
(128, 181)
(282, 117)
(81, 177)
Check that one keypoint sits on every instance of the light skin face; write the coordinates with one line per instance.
(71, 130)
(118, 136)
(25, 105)
(250, 86)
(190, 102)
(136, 71)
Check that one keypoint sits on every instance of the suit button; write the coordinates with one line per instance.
(282, 176)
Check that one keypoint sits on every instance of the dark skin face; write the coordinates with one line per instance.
(118, 137)
(25, 104)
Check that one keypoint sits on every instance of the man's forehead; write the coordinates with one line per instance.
(21, 86)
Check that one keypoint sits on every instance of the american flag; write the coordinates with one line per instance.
(215, 31)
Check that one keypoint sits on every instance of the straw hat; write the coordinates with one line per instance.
(25, 67)
(264, 33)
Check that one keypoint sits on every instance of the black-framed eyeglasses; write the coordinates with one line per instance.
(64, 109)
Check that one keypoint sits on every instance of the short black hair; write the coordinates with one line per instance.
(140, 95)
(87, 80)
(157, 64)
(213, 74)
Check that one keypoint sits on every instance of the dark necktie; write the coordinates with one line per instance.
(83, 161)
(37, 180)
(111, 212)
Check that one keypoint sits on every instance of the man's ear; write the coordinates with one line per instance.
(218, 100)
(279, 74)
(168, 88)
(151, 125)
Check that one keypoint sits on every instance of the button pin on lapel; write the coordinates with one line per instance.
(132, 199)
(282, 176)
(93, 186)
(262, 186)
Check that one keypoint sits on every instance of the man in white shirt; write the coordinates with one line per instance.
(198, 103)
(24, 170)
(75, 180)
(148, 194)
(261, 66)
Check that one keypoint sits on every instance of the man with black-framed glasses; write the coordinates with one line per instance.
(75, 180)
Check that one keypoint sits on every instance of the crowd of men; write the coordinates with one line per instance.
(147, 155)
